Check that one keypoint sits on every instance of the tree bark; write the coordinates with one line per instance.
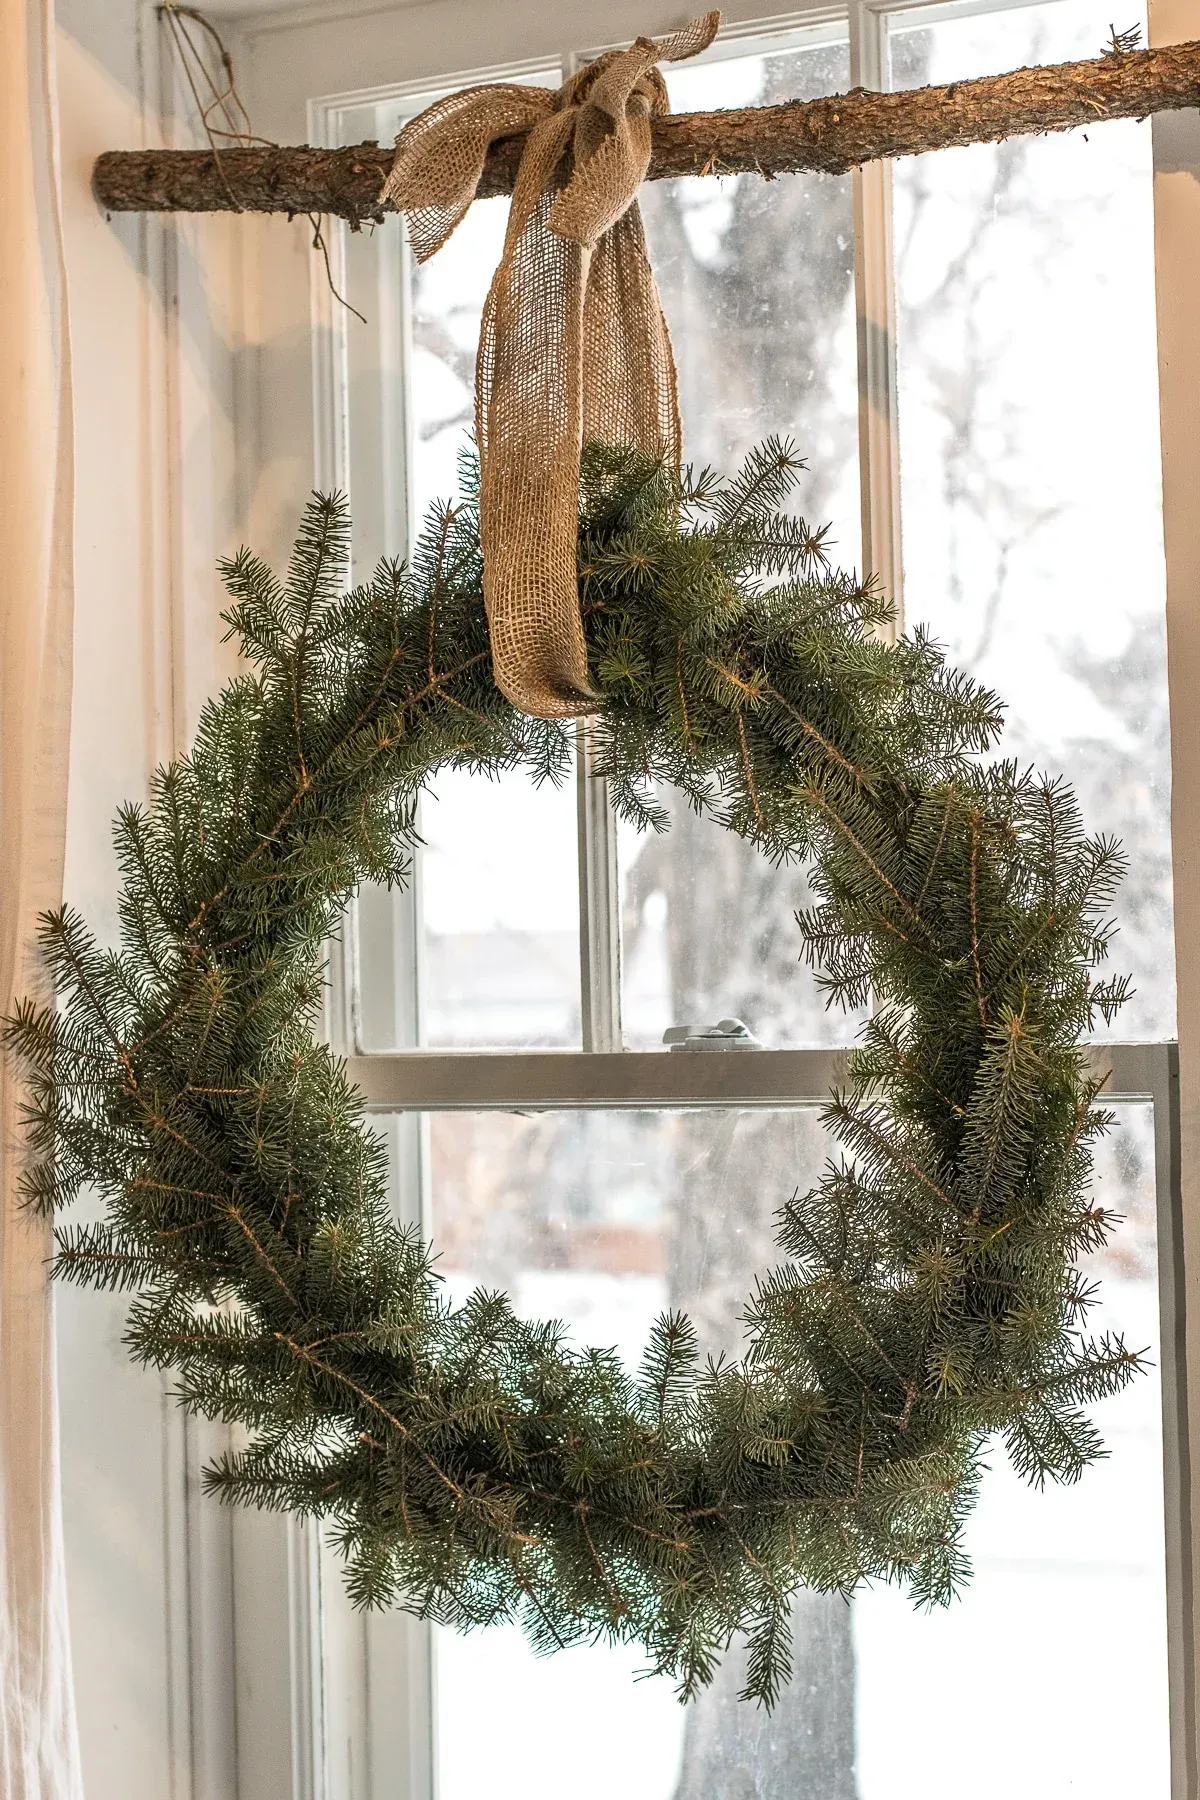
(805, 1749)
(829, 135)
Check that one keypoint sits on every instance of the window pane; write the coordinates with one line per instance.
(499, 944)
(1030, 472)
(444, 306)
(485, 950)
(1055, 1657)
(709, 932)
(757, 279)
(602, 1220)
(448, 293)
(482, 949)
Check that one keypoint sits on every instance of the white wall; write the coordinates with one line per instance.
(154, 349)
(194, 1628)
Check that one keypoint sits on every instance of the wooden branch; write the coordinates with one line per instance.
(830, 135)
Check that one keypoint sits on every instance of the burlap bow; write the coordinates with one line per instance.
(573, 343)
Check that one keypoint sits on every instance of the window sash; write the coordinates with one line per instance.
(378, 436)
(376, 270)
(416, 1083)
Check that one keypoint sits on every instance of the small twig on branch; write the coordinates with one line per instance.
(830, 136)
(225, 104)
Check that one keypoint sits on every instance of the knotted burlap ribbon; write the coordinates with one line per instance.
(573, 343)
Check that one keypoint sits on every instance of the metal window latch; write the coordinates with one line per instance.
(726, 1034)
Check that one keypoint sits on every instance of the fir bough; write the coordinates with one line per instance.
(474, 1466)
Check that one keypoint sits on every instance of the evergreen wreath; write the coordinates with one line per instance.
(476, 1467)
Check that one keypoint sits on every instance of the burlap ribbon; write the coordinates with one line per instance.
(573, 343)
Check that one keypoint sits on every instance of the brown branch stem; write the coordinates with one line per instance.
(829, 135)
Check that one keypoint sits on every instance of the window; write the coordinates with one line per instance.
(933, 336)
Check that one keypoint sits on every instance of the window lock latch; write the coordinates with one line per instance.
(726, 1034)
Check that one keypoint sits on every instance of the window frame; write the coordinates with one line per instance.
(331, 1701)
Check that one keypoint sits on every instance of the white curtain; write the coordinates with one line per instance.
(38, 1751)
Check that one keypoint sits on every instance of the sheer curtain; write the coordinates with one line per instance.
(38, 1752)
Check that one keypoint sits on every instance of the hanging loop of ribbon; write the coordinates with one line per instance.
(573, 343)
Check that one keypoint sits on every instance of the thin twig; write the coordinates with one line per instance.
(226, 102)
